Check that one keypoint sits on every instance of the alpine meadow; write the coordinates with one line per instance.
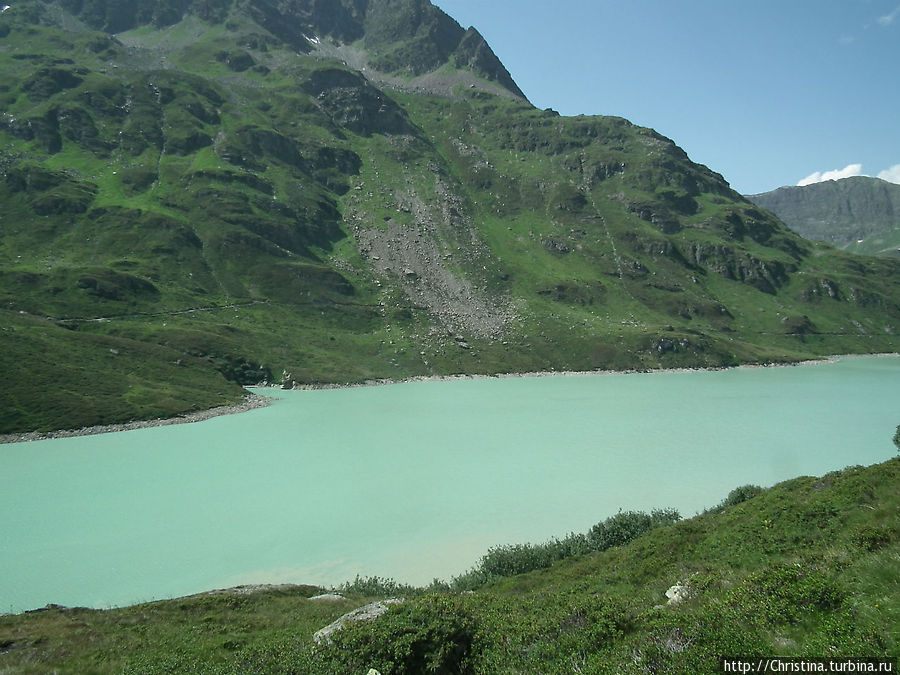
(202, 195)
(199, 196)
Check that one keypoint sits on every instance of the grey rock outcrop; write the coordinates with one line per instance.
(365, 613)
(328, 597)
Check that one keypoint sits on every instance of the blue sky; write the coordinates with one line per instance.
(766, 92)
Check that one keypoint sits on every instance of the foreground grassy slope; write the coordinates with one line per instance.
(808, 567)
(209, 182)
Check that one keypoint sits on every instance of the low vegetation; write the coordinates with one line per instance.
(510, 560)
(805, 568)
(211, 186)
(197, 195)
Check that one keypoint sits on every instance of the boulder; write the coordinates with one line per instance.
(678, 593)
(365, 613)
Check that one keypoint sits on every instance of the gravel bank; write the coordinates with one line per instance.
(250, 402)
(579, 373)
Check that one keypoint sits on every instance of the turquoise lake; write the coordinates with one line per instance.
(415, 480)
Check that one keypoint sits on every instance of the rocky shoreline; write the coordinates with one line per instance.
(253, 401)
(557, 373)
(250, 402)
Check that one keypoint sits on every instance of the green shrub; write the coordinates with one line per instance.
(694, 643)
(785, 593)
(375, 586)
(431, 635)
(621, 528)
(871, 538)
(506, 561)
(842, 634)
(741, 494)
(512, 559)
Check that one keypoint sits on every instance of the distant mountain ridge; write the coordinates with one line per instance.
(859, 213)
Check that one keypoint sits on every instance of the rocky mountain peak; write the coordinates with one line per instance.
(353, 190)
(399, 37)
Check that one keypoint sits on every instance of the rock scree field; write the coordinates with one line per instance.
(200, 195)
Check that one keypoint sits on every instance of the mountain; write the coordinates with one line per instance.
(858, 214)
(197, 195)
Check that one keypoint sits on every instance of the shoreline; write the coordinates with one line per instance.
(253, 401)
(571, 373)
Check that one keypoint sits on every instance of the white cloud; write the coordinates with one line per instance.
(888, 19)
(891, 175)
(836, 174)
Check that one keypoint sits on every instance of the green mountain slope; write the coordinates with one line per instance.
(858, 214)
(335, 191)
(806, 568)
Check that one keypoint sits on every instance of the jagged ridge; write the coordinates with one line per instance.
(402, 36)
(201, 184)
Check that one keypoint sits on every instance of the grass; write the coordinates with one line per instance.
(151, 209)
(805, 568)
(149, 381)
(200, 187)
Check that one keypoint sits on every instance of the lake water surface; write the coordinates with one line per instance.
(413, 481)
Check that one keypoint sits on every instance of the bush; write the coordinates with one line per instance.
(375, 586)
(507, 561)
(741, 494)
(621, 528)
(512, 559)
(431, 635)
(871, 538)
(785, 593)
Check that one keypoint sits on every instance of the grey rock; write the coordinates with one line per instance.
(678, 594)
(365, 613)
(328, 597)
